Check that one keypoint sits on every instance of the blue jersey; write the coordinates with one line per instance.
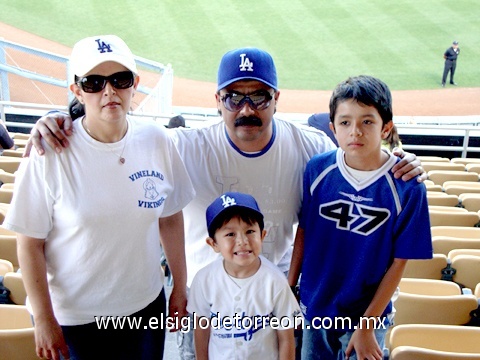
(353, 231)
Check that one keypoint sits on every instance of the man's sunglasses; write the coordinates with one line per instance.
(259, 100)
(95, 83)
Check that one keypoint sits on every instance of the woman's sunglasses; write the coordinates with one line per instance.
(259, 100)
(95, 83)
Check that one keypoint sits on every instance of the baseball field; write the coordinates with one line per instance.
(315, 43)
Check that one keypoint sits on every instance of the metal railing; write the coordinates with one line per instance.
(465, 129)
(160, 95)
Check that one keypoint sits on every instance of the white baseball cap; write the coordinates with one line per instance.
(92, 51)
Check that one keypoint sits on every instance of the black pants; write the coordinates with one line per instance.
(450, 65)
(90, 343)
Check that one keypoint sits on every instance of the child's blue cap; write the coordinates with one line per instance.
(247, 64)
(229, 200)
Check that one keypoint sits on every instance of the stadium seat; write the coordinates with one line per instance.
(454, 217)
(470, 201)
(460, 187)
(17, 341)
(433, 159)
(6, 195)
(430, 185)
(434, 309)
(19, 136)
(6, 177)
(442, 199)
(447, 209)
(456, 231)
(429, 287)
(14, 153)
(439, 177)
(455, 252)
(5, 266)
(445, 244)
(434, 342)
(14, 282)
(20, 143)
(10, 164)
(465, 161)
(474, 167)
(467, 270)
(448, 166)
(426, 269)
(8, 249)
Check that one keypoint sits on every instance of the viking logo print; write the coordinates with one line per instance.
(228, 201)
(103, 47)
(150, 189)
(246, 64)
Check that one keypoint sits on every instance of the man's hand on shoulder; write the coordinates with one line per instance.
(53, 127)
(409, 167)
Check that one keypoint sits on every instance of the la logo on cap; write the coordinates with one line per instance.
(246, 64)
(228, 201)
(103, 47)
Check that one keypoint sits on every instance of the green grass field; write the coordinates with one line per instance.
(315, 43)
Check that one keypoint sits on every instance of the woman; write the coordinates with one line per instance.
(90, 221)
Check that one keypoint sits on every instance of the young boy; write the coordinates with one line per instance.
(243, 306)
(358, 227)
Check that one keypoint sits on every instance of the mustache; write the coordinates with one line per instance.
(248, 121)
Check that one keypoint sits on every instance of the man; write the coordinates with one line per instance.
(249, 151)
(450, 57)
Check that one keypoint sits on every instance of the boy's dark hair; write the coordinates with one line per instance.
(76, 109)
(247, 215)
(364, 89)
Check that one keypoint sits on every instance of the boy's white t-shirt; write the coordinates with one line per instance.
(216, 296)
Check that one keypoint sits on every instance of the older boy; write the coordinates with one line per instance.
(243, 296)
(358, 227)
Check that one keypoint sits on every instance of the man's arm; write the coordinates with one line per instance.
(54, 128)
(297, 258)
(173, 242)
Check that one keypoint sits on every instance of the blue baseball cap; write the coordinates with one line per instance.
(229, 200)
(247, 64)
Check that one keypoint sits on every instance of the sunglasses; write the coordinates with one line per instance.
(259, 100)
(95, 83)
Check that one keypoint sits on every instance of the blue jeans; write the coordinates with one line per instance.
(331, 344)
(89, 342)
(185, 343)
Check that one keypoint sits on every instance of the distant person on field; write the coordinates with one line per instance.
(241, 283)
(450, 57)
(358, 226)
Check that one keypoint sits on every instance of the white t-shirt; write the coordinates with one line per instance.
(273, 176)
(266, 294)
(99, 218)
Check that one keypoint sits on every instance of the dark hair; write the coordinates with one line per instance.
(76, 109)
(246, 215)
(393, 138)
(364, 89)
